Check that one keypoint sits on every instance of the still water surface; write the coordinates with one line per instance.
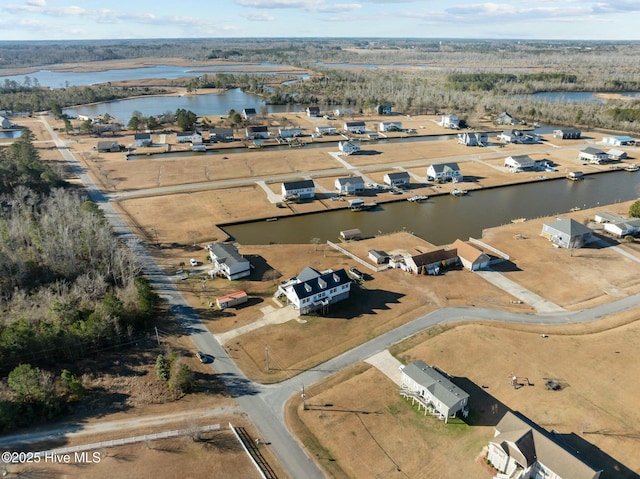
(443, 219)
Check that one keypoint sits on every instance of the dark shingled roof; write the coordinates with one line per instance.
(312, 282)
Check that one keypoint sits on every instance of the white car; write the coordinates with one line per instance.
(193, 262)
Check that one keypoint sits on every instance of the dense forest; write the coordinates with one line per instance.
(68, 288)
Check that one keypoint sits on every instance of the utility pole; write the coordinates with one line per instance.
(304, 399)
(266, 350)
(157, 337)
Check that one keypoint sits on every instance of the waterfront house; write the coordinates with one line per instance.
(621, 140)
(623, 227)
(567, 233)
(567, 133)
(433, 391)
(249, 113)
(298, 190)
(350, 147)
(232, 299)
(349, 186)
(472, 138)
(313, 111)
(444, 172)
(384, 109)
(108, 146)
(504, 118)
(616, 155)
(390, 126)
(289, 132)
(189, 137)
(378, 256)
(5, 123)
(471, 257)
(519, 162)
(257, 132)
(431, 262)
(312, 290)
(522, 449)
(606, 217)
(355, 127)
(450, 121)
(343, 111)
(227, 261)
(400, 179)
(220, 134)
(326, 129)
(142, 139)
(593, 155)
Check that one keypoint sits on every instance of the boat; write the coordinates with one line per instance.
(519, 220)
(458, 192)
(632, 167)
(272, 219)
(575, 208)
(418, 198)
(575, 175)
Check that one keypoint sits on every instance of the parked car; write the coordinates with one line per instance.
(354, 272)
(193, 262)
(202, 357)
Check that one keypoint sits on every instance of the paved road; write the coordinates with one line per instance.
(264, 404)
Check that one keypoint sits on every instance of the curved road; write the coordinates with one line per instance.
(264, 404)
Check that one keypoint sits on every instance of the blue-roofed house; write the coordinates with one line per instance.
(313, 290)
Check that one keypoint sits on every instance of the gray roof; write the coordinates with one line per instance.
(249, 111)
(313, 282)
(351, 180)
(257, 128)
(142, 136)
(398, 176)
(438, 384)
(376, 253)
(442, 167)
(298, 185)
(227, 254)
(355, 123)
(569, 227)
(592, 151)
(534, 443)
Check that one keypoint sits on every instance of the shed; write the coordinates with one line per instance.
(378, 256)
(567, 233)
(606, 217)
(352, 234)
(615, 154)
(232, 299)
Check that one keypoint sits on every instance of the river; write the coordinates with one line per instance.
(443, 219)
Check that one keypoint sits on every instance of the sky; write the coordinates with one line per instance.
(511, 19)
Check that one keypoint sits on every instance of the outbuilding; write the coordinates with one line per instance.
(232, 299)
(623, 228)
(378, 256)
(352, 234)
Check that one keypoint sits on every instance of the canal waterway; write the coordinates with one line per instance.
(443, 219)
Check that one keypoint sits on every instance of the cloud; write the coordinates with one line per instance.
(259, 17)
(320, 6)
(37, 3)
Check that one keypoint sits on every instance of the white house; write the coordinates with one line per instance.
(567, 233)
(142, 139)
(450, 121)
(504, 118)
(621, 140)
(400, 179)
(384, 109)
(593, 155)
(355, 126)
(221, 134)
(189, 137)
(623, 228)
(312, 290)
(5, 123)
(349, 147)
(567, 134)
(433, 391)
(444, 172)
(522, 449)
(298, 190)
(326, 129)
(257, 132)
(519, 162)
(227, 261)
(289, 132)
(313, 111)
(614, 154)
(350, 186)
(472, 138)
(343, 111)
(249, 113)
(390, 126)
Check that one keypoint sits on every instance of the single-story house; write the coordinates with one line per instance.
(400, 179)
(289, 132)
(352, 234)
(5, 122)
(567, 133)
(444, 172)
(504, 118)
(384, 109)
(620, 140)
(312, 290)
(614, 154)
(326, 129)
(377, 256)
(593, 155)
(189, 137)
(450, 121)
(142, 139)
(471, 257)
(249, 113)
(298, 190)
(567, 233)
(227, 261)
(221, 134)
(605, 217)
(108, 146)
(349, 147)
(623, 227)
(520, 448)
(472, 138)
(390, 126)
(433, 390)
(232, 299)
(257, 132)
(350, 186)
(313, 111)
(431, 262)
(519, 162)
(355, 126)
